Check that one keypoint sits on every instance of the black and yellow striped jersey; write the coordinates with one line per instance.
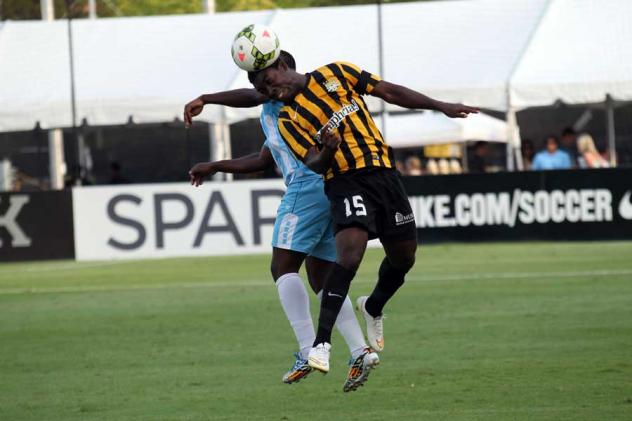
(332, 99)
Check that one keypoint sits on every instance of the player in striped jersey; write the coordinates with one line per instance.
(327, 125)
(302, 232)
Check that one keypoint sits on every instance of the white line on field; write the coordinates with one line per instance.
(241, 284)
(65, 266)
(524, 275)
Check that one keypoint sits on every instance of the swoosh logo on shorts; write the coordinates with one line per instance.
(625, 207)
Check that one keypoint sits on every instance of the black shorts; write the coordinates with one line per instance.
(373, 199)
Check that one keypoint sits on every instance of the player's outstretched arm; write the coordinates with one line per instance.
(246, 164)
(319, 161)
(407, 98)
(237, 98)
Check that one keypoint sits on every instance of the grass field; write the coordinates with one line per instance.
(486, 332)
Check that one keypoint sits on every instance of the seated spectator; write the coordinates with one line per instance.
(478, 160)
(413, 165)
(528, 151)
(455, 167)
(431, 167)
(569, 144)
(116, 175)
(399, 166)
(444, 166)
(589, 157)
(552, 158)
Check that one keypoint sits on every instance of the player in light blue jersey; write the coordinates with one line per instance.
(303, 232)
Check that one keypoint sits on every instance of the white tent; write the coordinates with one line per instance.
(458, 51)
(581, 52)
(497, 54)
(147, 68)
(143, 68)
(430, 128)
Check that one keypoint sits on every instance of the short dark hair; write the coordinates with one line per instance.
(553, 138)
(568, 131)
(283, 55)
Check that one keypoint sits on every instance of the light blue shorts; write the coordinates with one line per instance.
(303, 222)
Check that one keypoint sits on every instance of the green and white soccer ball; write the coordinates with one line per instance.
(255, 47)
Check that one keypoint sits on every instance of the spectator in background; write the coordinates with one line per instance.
(116, 176)
(552, 158)
(399, 166)
(413, 166)
(589, 157)
(478, 160)
(455, 167)
(431, 167)
(528, 151)
(444, 166)
(569, 144)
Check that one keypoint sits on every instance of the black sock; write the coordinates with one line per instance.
(334, 292)
(389, 280)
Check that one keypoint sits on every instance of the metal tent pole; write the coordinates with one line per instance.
(73, 97)
(56, 162)
(208, 6)
(511, 133)
(380, 57)
(92, 9)
(612, 147)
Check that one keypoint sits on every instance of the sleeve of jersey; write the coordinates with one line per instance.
(362, 81)
(297, 139)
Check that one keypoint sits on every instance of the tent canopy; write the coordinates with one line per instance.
(143, 68)
(431, 128)
(581, 52)
(494, 54)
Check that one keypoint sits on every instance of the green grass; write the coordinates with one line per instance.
(484, 332)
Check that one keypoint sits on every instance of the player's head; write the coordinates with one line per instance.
(277, 81)
(552, 143)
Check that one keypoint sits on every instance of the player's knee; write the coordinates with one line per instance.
(277, 270)
(351, 260)
(274, 270)
(404, 262)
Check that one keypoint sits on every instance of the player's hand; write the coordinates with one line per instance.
(457, 110)
(330, 139)
(199, 171)
(192, 109)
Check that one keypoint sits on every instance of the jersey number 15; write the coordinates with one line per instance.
(358, 206)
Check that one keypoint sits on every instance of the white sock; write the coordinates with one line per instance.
(295, 302)
(348, 326)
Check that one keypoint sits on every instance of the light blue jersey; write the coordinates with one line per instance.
(303, 222)
(291, 168)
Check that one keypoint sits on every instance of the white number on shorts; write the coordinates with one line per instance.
(358, 206)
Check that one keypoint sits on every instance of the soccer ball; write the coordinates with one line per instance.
(255, 47)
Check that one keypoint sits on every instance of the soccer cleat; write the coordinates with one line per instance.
(359, 370)
(299, 370)
(318, 358)
(374, 326)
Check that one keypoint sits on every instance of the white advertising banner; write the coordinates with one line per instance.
(175, 219)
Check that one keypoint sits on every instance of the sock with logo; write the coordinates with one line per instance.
(295, 302)
(348, 326)
(389, 280)
(334, 294)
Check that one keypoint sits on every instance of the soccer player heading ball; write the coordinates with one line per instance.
(303, 232)
(327, 125)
